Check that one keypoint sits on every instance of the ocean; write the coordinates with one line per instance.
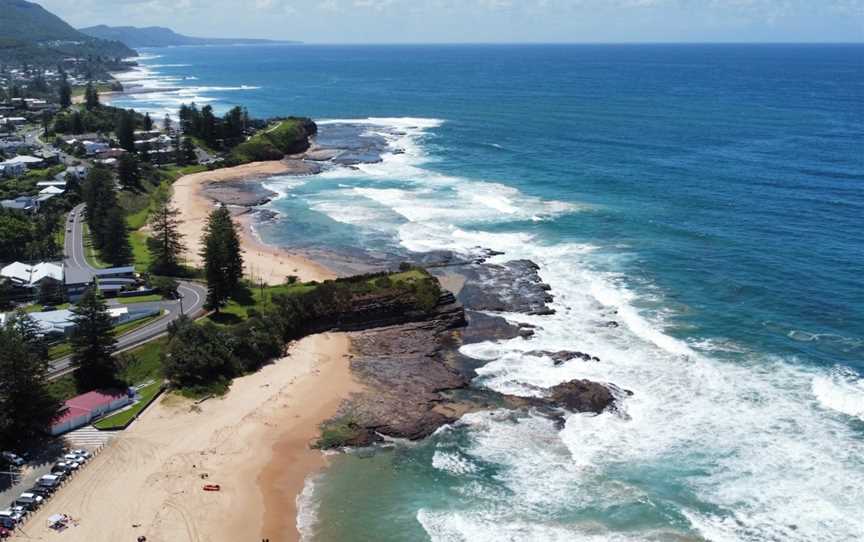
(711, 197)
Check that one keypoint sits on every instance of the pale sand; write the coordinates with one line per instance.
(262, 261)
(254, 442)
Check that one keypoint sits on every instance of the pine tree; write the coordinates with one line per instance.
(125, 129)
(187, 151)
(100, 197)
(91, 96)
(93, 342)
(27, 406)
(166, 243)
(223, 260)
(128, 172)
(148, 122)
(77, 123)
(115, 248)
(64, 93)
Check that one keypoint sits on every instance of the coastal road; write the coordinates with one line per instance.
(192, 295)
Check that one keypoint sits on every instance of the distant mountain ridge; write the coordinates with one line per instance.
(30, 33)
(158, 36)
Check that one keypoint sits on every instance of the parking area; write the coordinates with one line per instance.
(27, 487)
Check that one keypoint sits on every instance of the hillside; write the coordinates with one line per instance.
(31, 34)
(157, 36)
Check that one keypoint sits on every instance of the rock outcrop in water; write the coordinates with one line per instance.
(515, 286)
(414, 378)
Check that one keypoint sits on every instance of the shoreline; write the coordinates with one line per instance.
(253, 442)
(261, 261)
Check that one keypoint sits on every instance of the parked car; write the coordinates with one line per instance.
(81, 452)
(10, 518)
(50, 481)
(63, 468)
(29, 501)
(74, 458)
(40, 491)
(12, 459)
(5, 533)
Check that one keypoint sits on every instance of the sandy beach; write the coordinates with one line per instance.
(262, 262)
(253, 442)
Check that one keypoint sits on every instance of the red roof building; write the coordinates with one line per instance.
(81, 410)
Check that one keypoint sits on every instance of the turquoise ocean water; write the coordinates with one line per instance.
(712, 195)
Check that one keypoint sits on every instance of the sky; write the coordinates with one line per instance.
(485, 21)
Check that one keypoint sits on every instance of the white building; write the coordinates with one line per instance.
(32, 275)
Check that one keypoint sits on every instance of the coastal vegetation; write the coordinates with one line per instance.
(25, 401)
(203, 358)
(286, 136)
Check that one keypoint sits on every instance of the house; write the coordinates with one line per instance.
(13, 169)
(27, 204)
(83, 409)
(29, 162)
(60, 323)
(109, 280)
(53, 190)
(32, 275)
(95, 147)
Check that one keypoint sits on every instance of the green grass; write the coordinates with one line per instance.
(90, 253)
(123, 418)
(140, 252)
(145, 362)
(140, 299)
(36, 307)
(238, 307)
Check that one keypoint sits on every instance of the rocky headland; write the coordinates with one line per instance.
(415, 380)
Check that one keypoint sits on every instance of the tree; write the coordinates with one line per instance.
(198, 356)
(166, 243)
(99, 195)
(223, 260)
(186, 154)
(77, 123)
(93, 342)
(209, 127)
(166, 123)
(64, 93)
(115, 248)
(51, 292)
(46, 122)
(128, 172)
(27, 406)
(148, 122)
(91, 96)
(125, 129)
(166, 286)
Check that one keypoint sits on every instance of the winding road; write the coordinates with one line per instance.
(190, 303)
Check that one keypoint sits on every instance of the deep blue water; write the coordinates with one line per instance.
(712, 195)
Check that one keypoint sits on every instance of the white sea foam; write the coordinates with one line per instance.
(842, 391)
(307, 516)
(453, 462)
